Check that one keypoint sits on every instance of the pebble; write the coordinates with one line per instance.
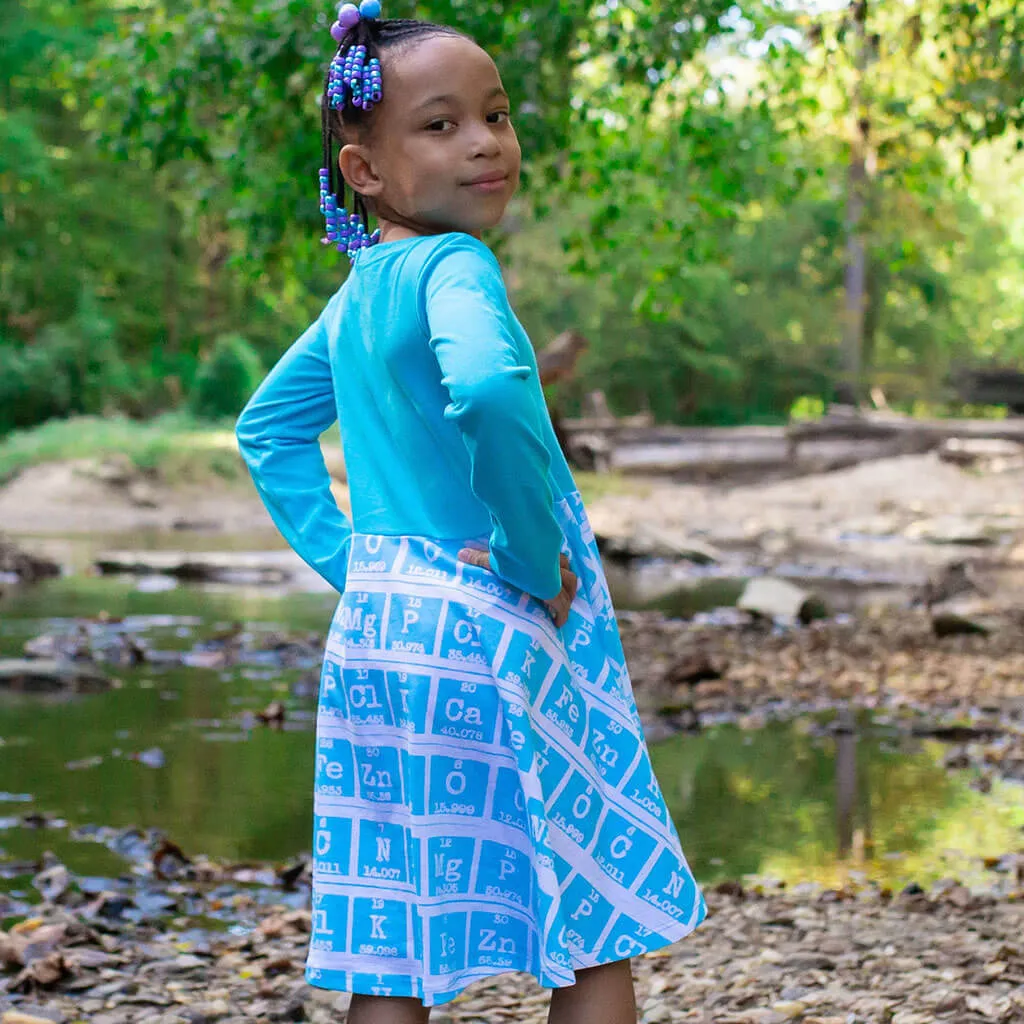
(18, 1017)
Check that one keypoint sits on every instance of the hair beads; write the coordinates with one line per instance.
(354, 80)
(344, 230)
(353, 77)
(353, 86)
(336, 84)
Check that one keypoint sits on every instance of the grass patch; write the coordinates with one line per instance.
(601, 485)
(183, 450)
(176, 446)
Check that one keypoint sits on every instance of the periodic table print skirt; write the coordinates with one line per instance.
(484, 800)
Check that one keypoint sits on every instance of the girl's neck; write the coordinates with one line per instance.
(395, 231)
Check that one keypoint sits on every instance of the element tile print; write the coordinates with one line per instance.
(483, 795)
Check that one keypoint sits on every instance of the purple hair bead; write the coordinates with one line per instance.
(348, 16)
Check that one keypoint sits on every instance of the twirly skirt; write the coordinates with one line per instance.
(484, 800)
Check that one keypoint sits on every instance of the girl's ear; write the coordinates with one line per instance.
(354, 164)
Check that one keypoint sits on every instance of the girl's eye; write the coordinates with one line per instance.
(498, 117)
(442, 124)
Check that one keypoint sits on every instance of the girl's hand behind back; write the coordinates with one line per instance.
(558, 606)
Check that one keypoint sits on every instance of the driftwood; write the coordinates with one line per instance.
(557, 362)
(598, 440)
(587, 442)
(992, 454)
(832, 442)
(227, 567)
(924, 433)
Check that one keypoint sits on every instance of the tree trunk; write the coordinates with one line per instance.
(851, 387)
(173, 259)
(876, 287)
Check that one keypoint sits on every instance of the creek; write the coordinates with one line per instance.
(180, 748)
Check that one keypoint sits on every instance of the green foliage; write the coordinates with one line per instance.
(226, 379)
(34, 387)
(982, 42)
(219, 84)
(87, 355)
(685, 203)
(71, 368)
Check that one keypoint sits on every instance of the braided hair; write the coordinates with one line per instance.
(346, 116)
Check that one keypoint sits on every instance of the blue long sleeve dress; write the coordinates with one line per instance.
(483, 794)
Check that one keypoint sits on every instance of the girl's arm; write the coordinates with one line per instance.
(497, 404)
(278, 434)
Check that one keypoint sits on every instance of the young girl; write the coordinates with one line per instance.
(484, 799)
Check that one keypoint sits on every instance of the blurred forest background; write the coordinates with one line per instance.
(747, 208)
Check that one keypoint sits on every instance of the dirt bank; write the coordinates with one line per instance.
(872, 499)
(910, 511)
(92, 496)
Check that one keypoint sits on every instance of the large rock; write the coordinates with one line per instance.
(987, 454)
(23, 565)
(773, 598)
(646, 540)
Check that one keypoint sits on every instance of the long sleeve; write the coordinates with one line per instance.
(497, 404)
(278, 434)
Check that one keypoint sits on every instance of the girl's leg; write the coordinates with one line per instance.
(601, 995)
(386, 1010)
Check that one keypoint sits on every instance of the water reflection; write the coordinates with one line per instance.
(25, 611)
(787, 801)
(790, 802)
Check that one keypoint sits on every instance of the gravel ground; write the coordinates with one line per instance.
(825, 956)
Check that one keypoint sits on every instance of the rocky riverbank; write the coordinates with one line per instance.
(908, 509)
(687, 676)
(762, 957)
(179, 939)
(183, 940)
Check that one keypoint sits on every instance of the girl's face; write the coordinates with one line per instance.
(441, 153)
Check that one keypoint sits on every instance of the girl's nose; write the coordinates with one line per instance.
(484, 142)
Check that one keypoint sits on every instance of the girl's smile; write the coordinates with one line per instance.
(490, 181)
(440, 153)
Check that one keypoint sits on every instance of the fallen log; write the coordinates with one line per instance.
(216, 567)
(729, 452)
(833, 442)
(924, 431)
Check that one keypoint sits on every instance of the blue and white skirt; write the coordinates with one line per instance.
(484, 799)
